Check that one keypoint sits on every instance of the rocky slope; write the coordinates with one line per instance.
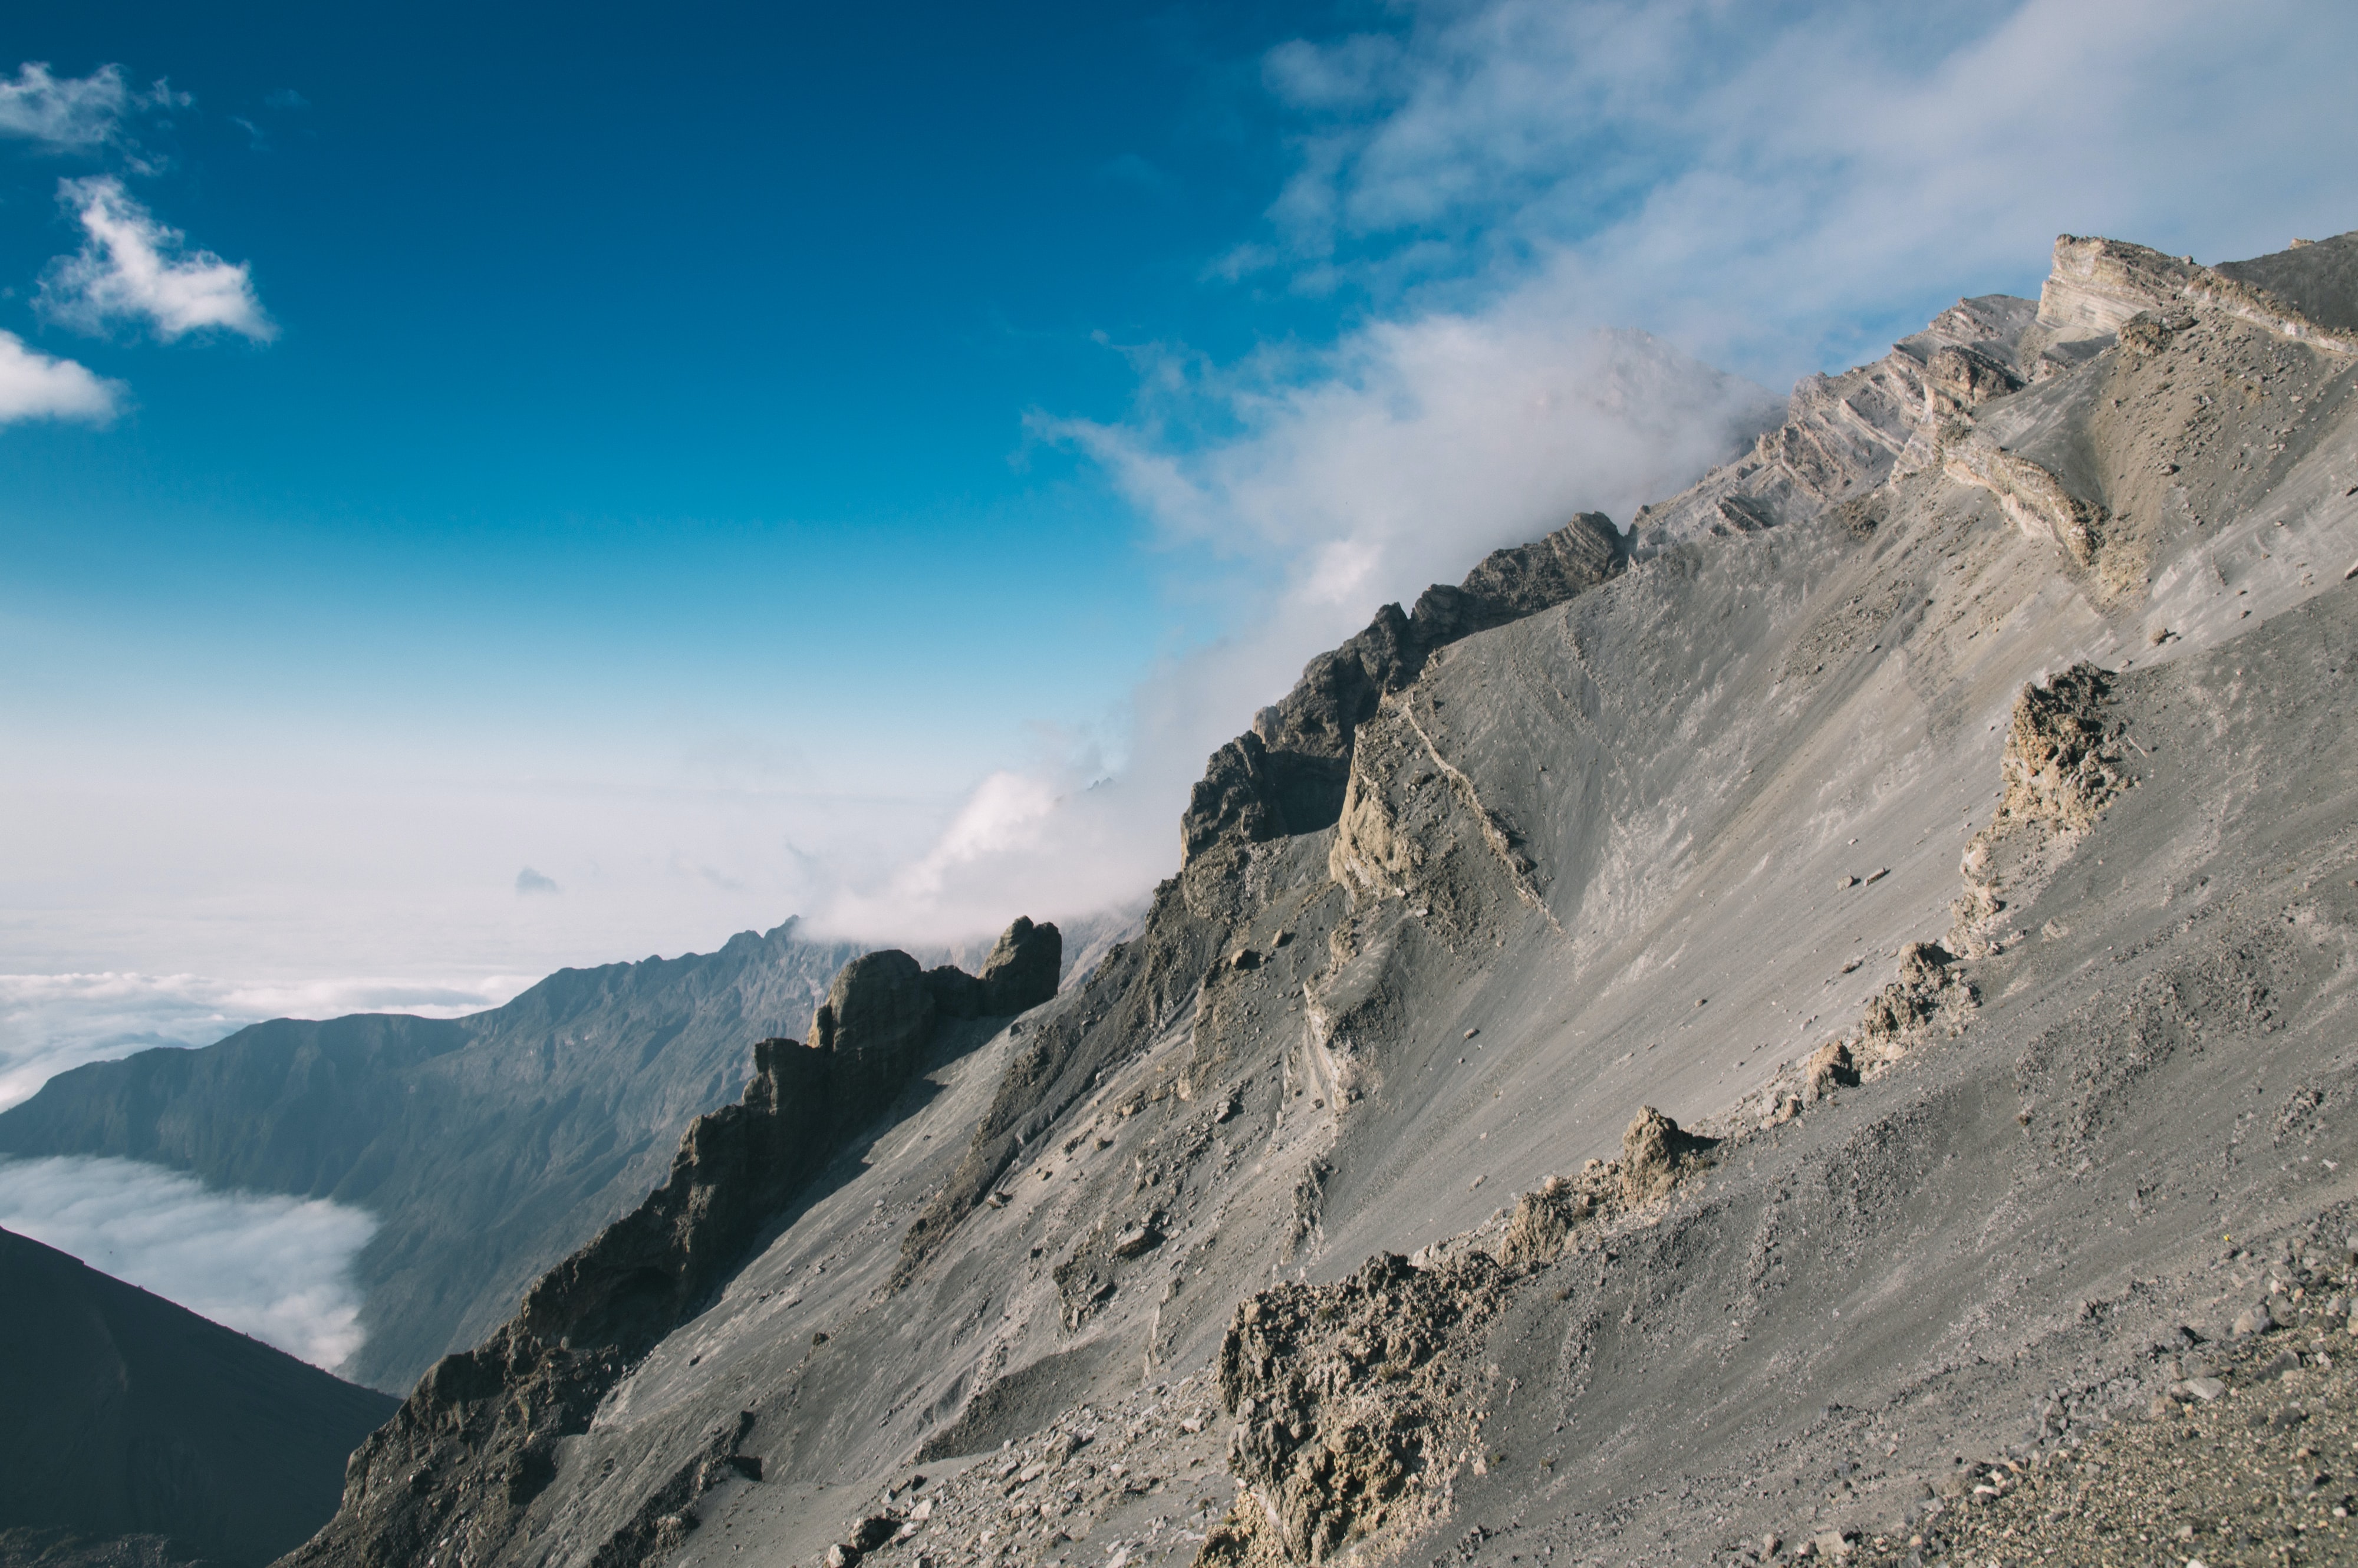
(1691, 1050)
(467, 1453)
(138, 1433)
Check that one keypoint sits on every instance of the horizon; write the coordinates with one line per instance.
(477, 511)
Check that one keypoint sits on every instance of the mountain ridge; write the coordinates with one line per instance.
(1632, 850)
(488, 1146)
(130, 1417)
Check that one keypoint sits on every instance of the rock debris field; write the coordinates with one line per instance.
(2246, 1453)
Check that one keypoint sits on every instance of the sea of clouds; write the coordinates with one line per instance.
(276, 1268)
(51, 1023)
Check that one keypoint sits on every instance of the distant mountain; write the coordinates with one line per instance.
(489, 1146)
(128, 1417)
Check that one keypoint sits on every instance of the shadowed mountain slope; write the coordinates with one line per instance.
(488, 1146)
(125, 1415)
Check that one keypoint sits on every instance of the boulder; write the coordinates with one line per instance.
(880, 1010)
(1830, 1067)
(1655, 1152)
(1024, 968)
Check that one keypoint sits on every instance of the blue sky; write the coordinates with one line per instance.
(676, 346)
(740, 461)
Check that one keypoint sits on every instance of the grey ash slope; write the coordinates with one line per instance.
(129, 1416)
(1655, 844)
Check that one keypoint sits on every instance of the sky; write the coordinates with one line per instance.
(478, 495)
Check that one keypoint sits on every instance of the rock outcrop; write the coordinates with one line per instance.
(1286, 775)
(467, 1452)
(1021, 969)
(1656, 1153)
(1348, 1404)
(2064, 763)
(1845, 435)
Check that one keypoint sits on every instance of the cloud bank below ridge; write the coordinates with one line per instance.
(276, 1268)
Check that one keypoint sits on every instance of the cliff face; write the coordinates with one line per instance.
(1781, 1010)
(1285, 775)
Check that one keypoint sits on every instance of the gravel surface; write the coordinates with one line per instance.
(2250, 1458)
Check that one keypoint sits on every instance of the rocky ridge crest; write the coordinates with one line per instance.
(467, 1452)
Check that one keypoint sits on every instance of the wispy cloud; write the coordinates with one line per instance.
(51, 1023)
(132, 267)
(529, 882)
(1770, 183)
(64, 113)
(34, 385)
(276, 1268)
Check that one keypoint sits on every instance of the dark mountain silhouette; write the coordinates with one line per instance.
(127, 1416)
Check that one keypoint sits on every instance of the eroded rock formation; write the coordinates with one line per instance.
(455, 1470)
(1286, 775)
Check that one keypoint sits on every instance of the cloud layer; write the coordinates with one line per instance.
(1763, 182)
(133, 268)
(276, 1268)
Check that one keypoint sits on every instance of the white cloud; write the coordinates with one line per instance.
(33, 385)
(51, 1023)
(68, 113)
(132, 267)
(276, 1268)
(1761, 183)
